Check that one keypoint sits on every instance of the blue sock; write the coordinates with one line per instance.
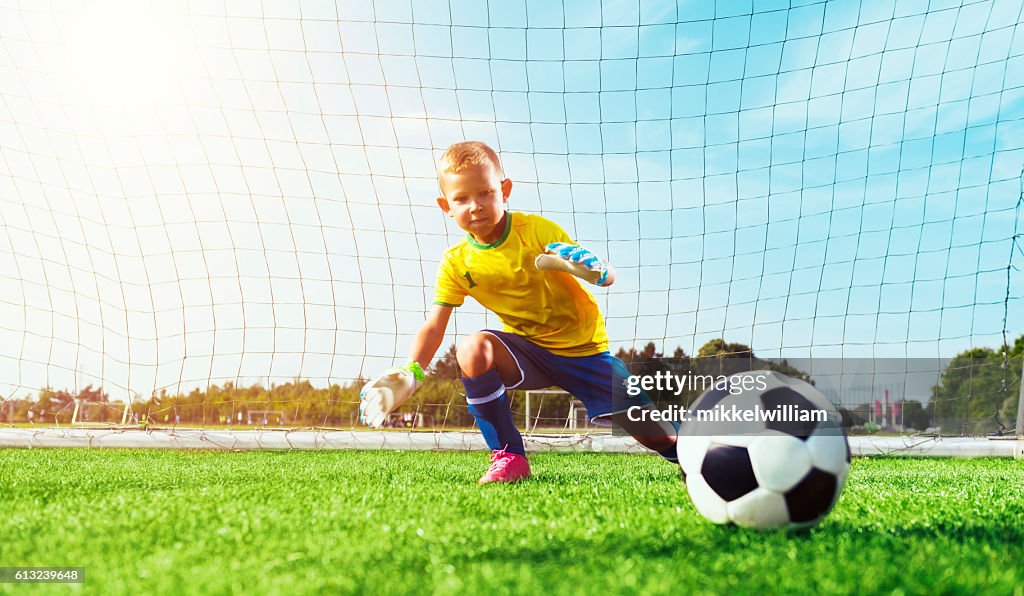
(670, 453)
(488, 403)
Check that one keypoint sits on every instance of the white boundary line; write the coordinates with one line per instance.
(243, 440)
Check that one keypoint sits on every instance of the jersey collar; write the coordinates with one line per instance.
(496, 243)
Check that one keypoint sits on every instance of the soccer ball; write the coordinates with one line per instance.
(782, 473)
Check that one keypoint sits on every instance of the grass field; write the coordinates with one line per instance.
(371, 522)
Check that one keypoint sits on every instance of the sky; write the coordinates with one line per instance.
(196, 192)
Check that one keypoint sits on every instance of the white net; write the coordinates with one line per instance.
(222, 214)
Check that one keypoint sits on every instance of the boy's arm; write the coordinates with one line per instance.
(428, 339)
(395, 386)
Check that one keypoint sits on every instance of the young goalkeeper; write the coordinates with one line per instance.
(554, 333)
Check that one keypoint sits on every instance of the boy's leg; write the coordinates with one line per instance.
(657, 435)
(599, 382)
(487, 368)
(481, 352)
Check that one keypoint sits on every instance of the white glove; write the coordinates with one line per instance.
(386, 393)
(575, 260)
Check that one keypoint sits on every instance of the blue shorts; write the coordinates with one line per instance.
(599, 381)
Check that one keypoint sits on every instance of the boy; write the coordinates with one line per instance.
(554, 332)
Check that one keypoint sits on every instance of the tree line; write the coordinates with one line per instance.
(977, 393)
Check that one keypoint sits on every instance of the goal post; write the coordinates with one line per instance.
(568, 415)
(1020, 410)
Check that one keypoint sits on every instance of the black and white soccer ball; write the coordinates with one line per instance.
(776, 474)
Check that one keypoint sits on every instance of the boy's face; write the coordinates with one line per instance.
(475, 198)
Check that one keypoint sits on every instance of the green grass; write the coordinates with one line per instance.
(414, 522)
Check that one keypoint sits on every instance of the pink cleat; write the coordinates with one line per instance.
(506, 467)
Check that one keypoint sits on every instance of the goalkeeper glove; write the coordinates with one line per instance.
(386, 393)
(562, 256)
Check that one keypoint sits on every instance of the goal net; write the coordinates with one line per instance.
(221, 216)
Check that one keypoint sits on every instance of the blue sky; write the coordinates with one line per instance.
(193, 193)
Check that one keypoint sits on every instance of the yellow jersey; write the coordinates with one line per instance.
(550, 308)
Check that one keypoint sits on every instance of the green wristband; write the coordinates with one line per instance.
(414, 368)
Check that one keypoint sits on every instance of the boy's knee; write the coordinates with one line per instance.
(475, 355)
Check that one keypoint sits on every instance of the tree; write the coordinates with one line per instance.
(850, 418)
(979, 390)
(632, 356)
(719, 347)
(447, 366)
(55, 406)
(736, 357)
(913, 414)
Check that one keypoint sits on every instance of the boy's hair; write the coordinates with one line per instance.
(467, 154)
